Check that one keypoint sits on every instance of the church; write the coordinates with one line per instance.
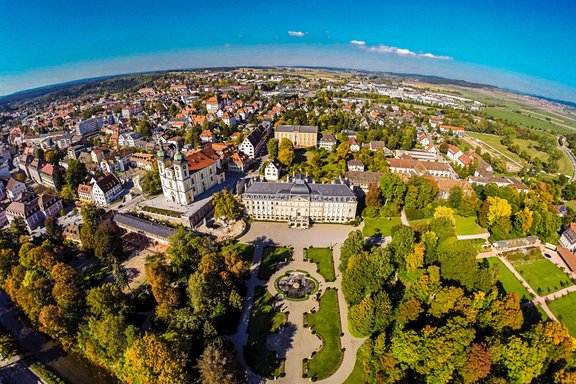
(184, 178)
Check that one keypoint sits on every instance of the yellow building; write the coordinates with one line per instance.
(302, 136)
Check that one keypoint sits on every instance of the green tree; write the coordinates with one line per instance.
(53, 230)
(353, 245)
(107, 245)
(75, 174)
(186, 251)
(272, 147)
(226, 206)
(150, 183)
(218, 365)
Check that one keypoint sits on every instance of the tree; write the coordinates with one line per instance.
(353, 245)
(272, 147)
(402, 245)
(286, 156)
(106, 299)
(218, 365)
(523, 221)
(67, 193)
(149, 360)
(53, 229)
(226, 206)
(373, 196)
(421, 191)
(478, 365)
(447, 213)
(455, 197)
(393, 188)
(107, 245)
(151, 183)
(186, 250)
(18, 228)
(361, 317)
(497, 208)
(144, 128)
(91, 215)
(157, 275)
(8, 348)
(523, 361)
(75, 174)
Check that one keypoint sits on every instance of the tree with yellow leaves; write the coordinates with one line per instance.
(498, 208)
(442, 212)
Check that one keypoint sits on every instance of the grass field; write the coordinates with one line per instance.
(381, 225)
(264, 320)
(509, 282)
(564, 309)
(326, 323)
(358, 375)
(246, 251)
(270, 259)
(543, 276)
(522, 119)
(564, 165)
(467, 226)
(323, 258)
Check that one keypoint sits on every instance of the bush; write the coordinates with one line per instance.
(414, 214)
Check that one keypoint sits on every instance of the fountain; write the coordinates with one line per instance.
(296, 285)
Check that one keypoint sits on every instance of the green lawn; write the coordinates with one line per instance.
(270, 259)
(467, 226)
(543, 276)
(522, 119)
(323, 258)
(358, 376)
(381, 225)
(246, 251)
(494, 142)
(565, 310)
(326, 323)
(263, 321)
(509, 282)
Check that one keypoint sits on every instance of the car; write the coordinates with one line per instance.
(548, 256)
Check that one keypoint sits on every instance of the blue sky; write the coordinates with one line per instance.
(526, 45)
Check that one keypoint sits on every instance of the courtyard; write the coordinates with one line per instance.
(306, 339)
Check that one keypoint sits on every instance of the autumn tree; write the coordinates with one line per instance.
(445, 213)
(157, 275)
(218, 365)
(226, 206)
(286, 152)
(353, 245)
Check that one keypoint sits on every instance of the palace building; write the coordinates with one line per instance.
(302, 136)
(299, 202)
(184, 178)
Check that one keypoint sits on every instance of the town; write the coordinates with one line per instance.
(288, 225)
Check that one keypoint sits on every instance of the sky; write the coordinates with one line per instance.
(527, 45)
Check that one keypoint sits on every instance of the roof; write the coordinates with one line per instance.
(570, 234)
(356, 163)
(300, 187)
(46, 201)
(435, 166)
(363, 178)
(107, 182)
(408, 163)
(297, 128)
(453, 149)
(451, 128)
(328, 137)
(144, 225)
(12, 183)
(568, 257)
(85, 188)
(201, 159)
(48, 169)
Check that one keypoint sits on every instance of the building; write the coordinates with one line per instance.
(213, 104)
(131, 110)
(85, 193)
(327, 141)
(361, 180)
(300, 203)
(14, 188)
(254, 142)
(354, 146)
(238, 163)
(453, 153)
(154, 231)
(106, 190)
(129, 139)
(302, 136)
(142, 160)
(184, 178)
(355, 165)
(33, 210)
(568, 238)
(207, 136)
(453, 130)
(89, 126)
(273, 170)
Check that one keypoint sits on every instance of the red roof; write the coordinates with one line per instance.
(201, 159)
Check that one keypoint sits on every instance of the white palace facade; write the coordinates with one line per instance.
(300, 203)
(184, 178)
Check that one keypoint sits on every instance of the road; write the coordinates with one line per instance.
(570, 155)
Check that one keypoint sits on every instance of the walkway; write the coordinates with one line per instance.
(305, 342)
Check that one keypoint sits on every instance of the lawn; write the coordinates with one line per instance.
(494, 142)
(509, 282)
(326, 323)
(522, 119)
(543, 276)
(467, 226)
(380, 225)
(323, 258)
(270, 259)
(264, 320)
(246, 251)
(358, 375)
(565, 310)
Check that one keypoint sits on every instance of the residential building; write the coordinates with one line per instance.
(106, 189)
(254, 142)
(327, 141)
(142, 160)
(49, 175)
(568, 238)
(14, 188)
(453, 130)
(354, 146)
(273, 170)
(238, 163)
(453, 152)
(85, 193)
(129, 139)
(207, 136)
(361, 180)
(213, 104)
(299, 202)
(302, 136)
(184, 178)
(355, 165)
(89, 126)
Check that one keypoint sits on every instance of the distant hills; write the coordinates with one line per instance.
(129, 80)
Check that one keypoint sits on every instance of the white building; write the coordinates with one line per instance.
(106, 190)
(273, 171)
(300, 203)
(254, 142)
(327, 141)
(88, 126)
(568, 238)
(184, 178)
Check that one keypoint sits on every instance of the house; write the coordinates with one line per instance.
(355, 165)
(106, 190)
(453, 130)
(568, 238)
(406, 166)
(50, 175)
(437, 169)
(14, 188)
(207, 136)
(238, 163)
(33, 210)
(273, 170)
(463, 160)
(453, 152)
(131, 110)
(50, 205)
(213, 104)
(129, 139)
(228, 119)
(142, 160)
(254, 142)
(361, 180)
(85, 193)
(327, 141)
(354, 146)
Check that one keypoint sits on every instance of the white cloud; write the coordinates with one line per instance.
(296, 33)
(396, 51)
